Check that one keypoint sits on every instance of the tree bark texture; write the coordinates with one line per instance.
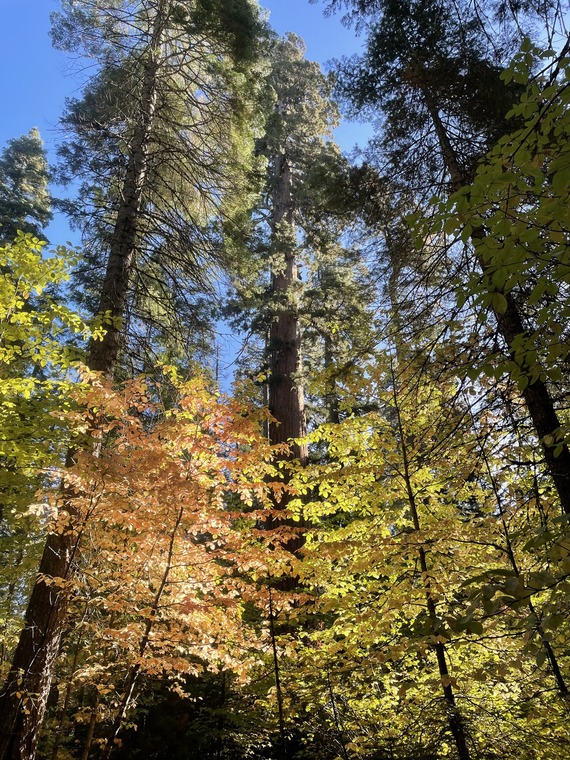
(103, 353)
(286, 395)
(25, 692)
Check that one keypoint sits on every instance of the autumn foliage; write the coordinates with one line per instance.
(171, 496)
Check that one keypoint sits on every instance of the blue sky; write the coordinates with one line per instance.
(35, 79)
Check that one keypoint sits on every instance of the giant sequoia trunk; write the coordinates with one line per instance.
(286, 396)
(536, 395)
(24, 695)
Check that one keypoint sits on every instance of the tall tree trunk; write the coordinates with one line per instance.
(331, 397)
(286, 396)
(286, 393)
(510, 323)
(103, 354)
(24, 695)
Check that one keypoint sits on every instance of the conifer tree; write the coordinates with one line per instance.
(293, 140)
(302, 236)
(25, 202)
(162, 142)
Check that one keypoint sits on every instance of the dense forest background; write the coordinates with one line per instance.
(361, 549)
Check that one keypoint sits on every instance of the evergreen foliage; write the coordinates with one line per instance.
(25, 202)
(193, 165)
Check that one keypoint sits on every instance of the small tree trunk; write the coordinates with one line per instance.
(455, 718)
(221, 722)
(91, 730)
(276, 670)
(135, 670)
(550, 654)
(336, 717)
(331, 398)
(8, 605)
(65, 707)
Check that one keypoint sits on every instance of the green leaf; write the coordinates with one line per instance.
(499, 302)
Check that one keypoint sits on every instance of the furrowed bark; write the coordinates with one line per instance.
(24, 695)
(285, 389)
(286, 393)
(286, 396)
(104, 353)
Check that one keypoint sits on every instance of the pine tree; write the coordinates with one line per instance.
(162, 142)
(25, 202)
